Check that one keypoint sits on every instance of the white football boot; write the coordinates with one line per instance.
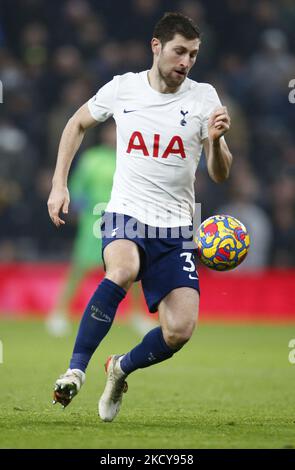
(111, 399)
(67, 386)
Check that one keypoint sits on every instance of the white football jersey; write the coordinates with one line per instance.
(159, 144)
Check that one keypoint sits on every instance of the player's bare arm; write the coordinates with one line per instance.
(70, 142)
(219, 158)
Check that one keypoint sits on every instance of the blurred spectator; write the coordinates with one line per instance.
(195, 10)
(34, 44)
(234, 73)
(109, 61)
(66, 66)
(136, 55)
(238, 137)
(91, 35)
(270, 70)
(145, 14)
(283, 194)
(283, 251)
(73, 95)
(12, 74)
(17, 160)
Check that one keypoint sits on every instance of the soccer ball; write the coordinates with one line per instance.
(222, 242)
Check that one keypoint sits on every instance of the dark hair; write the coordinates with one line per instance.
(172, 23)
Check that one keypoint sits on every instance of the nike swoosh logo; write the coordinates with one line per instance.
(113, 234)
(192, 277)
(129, 110)
(105, 320)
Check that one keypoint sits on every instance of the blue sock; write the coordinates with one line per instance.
(96, 322)
(151, 350)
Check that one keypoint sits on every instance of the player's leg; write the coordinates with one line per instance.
(171, 286)
(178, 313)
(140, 321)
(122, 262)
(122, 265)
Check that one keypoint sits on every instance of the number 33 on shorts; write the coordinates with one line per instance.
(189, 265)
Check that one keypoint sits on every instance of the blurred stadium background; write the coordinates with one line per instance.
(54, 55)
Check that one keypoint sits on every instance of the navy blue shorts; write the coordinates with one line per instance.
(165, 262)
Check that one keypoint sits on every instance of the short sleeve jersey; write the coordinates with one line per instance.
(159, 145)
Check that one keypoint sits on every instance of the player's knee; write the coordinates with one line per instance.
(123, 276)
(175, 338)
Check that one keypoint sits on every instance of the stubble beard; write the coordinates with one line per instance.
(169, 80)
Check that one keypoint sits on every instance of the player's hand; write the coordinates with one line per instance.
(59, 199)
(219, 123)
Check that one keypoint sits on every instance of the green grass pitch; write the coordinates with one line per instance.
(231, 386)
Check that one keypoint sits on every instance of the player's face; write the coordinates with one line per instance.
(176, 59)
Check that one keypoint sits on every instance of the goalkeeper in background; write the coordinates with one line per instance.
(90, 184)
